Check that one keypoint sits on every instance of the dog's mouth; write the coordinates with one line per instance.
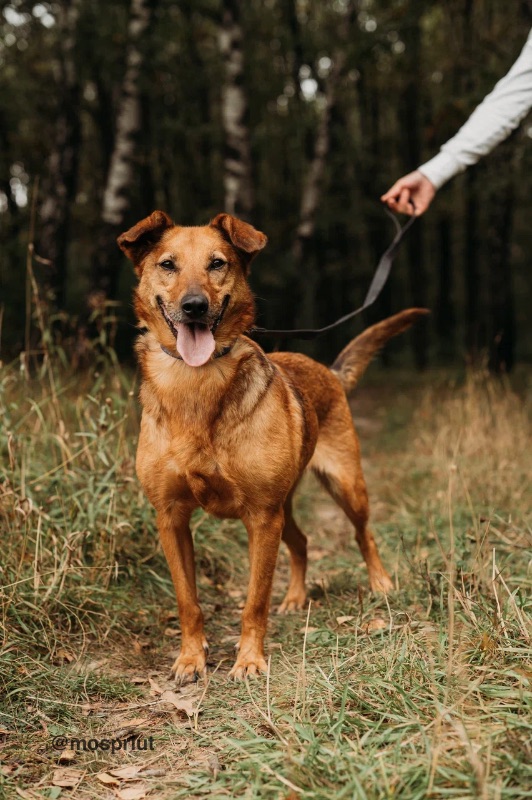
(195, 343)
(194, 340)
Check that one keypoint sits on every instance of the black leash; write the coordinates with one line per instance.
(379, 279)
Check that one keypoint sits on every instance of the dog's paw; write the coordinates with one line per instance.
(248, 666)
(294, 601)
(190, 665)
(381, 582)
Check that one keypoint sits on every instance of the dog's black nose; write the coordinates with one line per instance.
(194, 305)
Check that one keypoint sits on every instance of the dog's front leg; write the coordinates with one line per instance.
(176, 541)
(264, 531)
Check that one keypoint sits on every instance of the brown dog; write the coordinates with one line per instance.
(230, 429)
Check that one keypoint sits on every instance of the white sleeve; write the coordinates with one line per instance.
(492, 121)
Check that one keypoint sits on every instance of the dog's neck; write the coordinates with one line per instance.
(182, 389)
(196, 403)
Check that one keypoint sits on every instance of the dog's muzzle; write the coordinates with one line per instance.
(194, 336)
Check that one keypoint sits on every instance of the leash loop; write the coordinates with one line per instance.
(380, 277)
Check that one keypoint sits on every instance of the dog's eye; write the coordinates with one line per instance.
(217, 263)
(167, 264)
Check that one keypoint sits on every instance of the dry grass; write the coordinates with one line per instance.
(425, 694)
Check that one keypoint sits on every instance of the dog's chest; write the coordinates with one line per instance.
(192, 467)
(215, 492)
(226, 453)
(199, 474)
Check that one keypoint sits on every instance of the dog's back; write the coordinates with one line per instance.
(323, 384)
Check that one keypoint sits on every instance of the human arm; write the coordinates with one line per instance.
(493, 120)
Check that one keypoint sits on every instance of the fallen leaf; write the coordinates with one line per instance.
(155, 688)
(125, 773)
(139, 646)
(308, 630)
(156, 772)
(138, 679)
(487, 644)
(342, 620)
(135, 792)
(375, 625)
(66, 777)
(189, 690)
(63, 655)
(24, 794)
(67, 755)
(104, 777)
(180, 703)
(172, 631)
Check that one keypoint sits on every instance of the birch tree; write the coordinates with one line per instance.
(60, 180)
(122, 168)
(238, 183)
(312, 189)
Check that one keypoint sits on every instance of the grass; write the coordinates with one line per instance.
(424, 694)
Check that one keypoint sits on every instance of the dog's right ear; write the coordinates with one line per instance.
(138, 240)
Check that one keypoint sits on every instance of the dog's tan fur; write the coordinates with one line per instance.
(235, 435)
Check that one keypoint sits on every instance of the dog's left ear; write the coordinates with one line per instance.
(138, 240)
(241, 234)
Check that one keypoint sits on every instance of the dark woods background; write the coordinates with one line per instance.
(293, 114)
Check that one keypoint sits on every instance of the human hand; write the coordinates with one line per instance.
(412, 194)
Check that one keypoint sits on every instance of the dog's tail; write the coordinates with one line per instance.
(351, 364)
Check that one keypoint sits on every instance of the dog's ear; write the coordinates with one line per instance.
(138, 240)
(241, 234)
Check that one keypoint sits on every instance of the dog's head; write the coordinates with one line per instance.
(192, 291)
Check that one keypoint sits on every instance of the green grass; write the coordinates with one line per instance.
(424, 694)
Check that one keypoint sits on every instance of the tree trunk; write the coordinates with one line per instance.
(238, 182)
(310, 201)
(58, 189)
(302, 251)
(377, 227)
(123, 168)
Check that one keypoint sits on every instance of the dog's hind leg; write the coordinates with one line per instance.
(352, 498)
(336, 463)
(296, 541)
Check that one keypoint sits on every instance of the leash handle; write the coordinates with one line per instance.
(380, 277)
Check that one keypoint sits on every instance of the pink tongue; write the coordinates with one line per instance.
(195, 343)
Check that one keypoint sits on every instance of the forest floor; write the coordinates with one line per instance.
(425, 693)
